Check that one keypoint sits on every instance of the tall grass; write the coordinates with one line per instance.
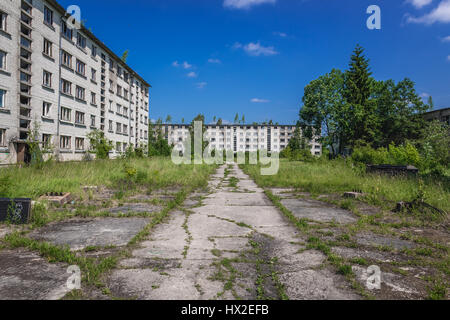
(338, 176)
(71, 177)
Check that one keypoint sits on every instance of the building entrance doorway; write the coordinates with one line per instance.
(23, 153)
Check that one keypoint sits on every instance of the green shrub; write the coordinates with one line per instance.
(100, 145)
(405, 154)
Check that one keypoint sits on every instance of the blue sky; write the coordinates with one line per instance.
(254, 57)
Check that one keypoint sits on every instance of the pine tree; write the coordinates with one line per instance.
(236, 118)
(360, 111)
(430, 103)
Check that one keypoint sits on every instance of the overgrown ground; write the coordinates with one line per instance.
(114, 206)
(339, 176)
(411, 247)
(154, 173)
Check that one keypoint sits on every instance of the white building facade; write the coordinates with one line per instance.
(64, 82)
(238, 138)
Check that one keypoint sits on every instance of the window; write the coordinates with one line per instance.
(2, 138)
(2, 98)
(119, 71)
(64, 142)
(81, 67)
(125, 94)
(111, 64)
(125, 111)
(119, 109)
(93, 98)
(118, 146)
(3, 21)
(48, 16)
(119, 90)
(79, 117)
(125, 129)
(47, 79)
(66, 31)
(66, 87)
(79, 144)
(94, 51)
(92, 121)
(46, 106)
(48, 48)
(25, 42)
(110, 128)
(2, 60)
(118, 128)
(66, 59)
(66, 114)
(80, 93)
(81, 41)
(93, 74)
(46, 140)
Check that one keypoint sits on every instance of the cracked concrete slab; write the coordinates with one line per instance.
(25, 275)
(135, 208)
(209, 252)
(379, 240)
(81, 233)
(318, 211)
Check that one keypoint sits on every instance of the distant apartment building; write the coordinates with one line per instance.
(238, 138)
(67, 82)
(442, 115)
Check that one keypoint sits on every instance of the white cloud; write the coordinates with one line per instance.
(201, 85)
(424, 95)
(192, 75)
(446, 39)
(280, 34)
(244, 4)
(185, 65)
(256, 49)
(448, 58)
(257, 100)
(214, 61)
(419, 3)
(439, 14)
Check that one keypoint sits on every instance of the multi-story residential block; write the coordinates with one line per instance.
(238, 138)
(64, 82)
(442, 115)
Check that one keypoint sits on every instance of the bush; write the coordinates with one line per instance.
(406, 154)
(100, 144)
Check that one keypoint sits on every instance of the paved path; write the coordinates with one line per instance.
(234, 244)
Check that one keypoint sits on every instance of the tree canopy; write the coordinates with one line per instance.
(351, 108)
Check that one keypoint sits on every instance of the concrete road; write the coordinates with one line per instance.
(231, 244)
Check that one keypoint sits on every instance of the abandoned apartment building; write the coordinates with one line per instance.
(237, 137)
(65, 82)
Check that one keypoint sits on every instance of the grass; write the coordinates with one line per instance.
(338, 176)
(155, 173)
